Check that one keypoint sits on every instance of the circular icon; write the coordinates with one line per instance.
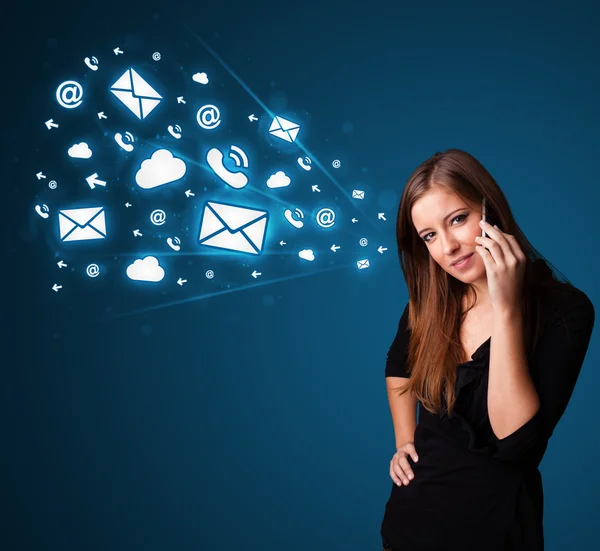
(52, 184)
(326, 218)
(156, 56)
(158, 217)
(69, 94)
(363, 242)
(336, 164)
(209, 117)
(210, 274)
(93, 270)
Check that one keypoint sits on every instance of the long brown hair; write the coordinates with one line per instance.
(435, 297)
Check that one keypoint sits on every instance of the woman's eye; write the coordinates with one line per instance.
(461, 216)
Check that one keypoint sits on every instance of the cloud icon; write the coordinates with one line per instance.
(202, 78)
(279, 179)
(162, 168)
(80, 151)
(146, 269)
(307, 254)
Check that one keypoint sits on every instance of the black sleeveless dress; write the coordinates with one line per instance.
(472, 491)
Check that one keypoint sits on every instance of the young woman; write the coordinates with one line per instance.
(490, 348)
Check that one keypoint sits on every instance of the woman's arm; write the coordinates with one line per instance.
(403, 410)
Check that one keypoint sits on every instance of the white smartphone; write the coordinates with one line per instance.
(483, 213)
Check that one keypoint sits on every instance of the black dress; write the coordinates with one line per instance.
(472, 491)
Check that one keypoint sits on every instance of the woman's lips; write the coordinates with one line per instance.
(463, 263)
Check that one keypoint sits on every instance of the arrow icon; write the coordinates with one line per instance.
(127, 205)
(51, 124)
(61, 264)
(381, 216)
(316, 188)
(137, 233)
(93, 181)
(40, 176)
(354, 220)
(282, 243)
(56, 287)
(252, 118)
(381, 249)
(118, 51)
(101, 115)
(255, 274)
(181, 281)
(180, 99)
(335, 247)
(189, 193)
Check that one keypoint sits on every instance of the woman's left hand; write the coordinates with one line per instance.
(505, 267)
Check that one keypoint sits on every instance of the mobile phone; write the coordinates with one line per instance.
(483, 214)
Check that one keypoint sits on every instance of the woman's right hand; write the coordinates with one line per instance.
(400, 470)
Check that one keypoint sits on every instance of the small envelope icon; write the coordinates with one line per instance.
(233, 227)
(358, 194)
(362, 264)
(136, 93)
(284, 129)
(82, 224)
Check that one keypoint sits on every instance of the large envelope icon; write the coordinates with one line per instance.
(362, 264)
(82, 224)
(233, 227)
(136, 93)
(358, 194)
(284, 129)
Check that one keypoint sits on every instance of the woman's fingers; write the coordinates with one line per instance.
(400, 469)
(410, 449)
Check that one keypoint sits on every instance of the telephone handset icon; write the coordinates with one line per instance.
(42, 210)
(126, 143)
(91, 63)
(236, 180)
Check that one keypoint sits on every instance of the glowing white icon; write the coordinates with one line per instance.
(208, 117)
(305, 163)
(175, 131)
(363, 264)
(209, 274)
(284, 129)
(363, 242)
(80, 151)
(307, 254)
(82, 224)
(236, 180)
(336, 164)
(174, 243)
(279, 179)
(125, 142)
(93, 270)
(136, 94)
(325, 218)
(201, 78)
(233, 227)
(156, 56)
(158, 217)
(69, 94)
(294, 218)
(42, 210)
(146, 269)
(358, 194)
(92, 63)
(162, 168)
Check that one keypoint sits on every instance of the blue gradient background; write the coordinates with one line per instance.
(258, 419)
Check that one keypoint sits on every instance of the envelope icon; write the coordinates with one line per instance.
(362, 264)
(284, 129)
(136, 93)
(233, 227)
(82, 224)
(358, 194)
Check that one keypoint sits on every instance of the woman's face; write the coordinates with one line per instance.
(448, 226)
